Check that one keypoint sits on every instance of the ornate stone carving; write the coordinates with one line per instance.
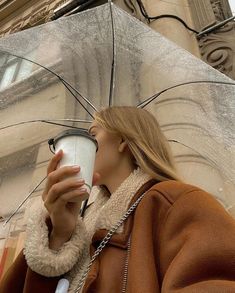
(218, 10)
(38, 17)
(17, 26)
(218, 47)
(218, 50)
(41, 13)
(221, 9)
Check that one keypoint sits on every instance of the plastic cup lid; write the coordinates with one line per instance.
(73, 132)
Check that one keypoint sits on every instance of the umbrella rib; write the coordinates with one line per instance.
(77, 92)
(153, 97)
(59, 124)
(208, 159)
(112, 77)
(25, 199)
(47, 121)
(69, 89)
(59, 77)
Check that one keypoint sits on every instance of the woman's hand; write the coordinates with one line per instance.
(62, 198)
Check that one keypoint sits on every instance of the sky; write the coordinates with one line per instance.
(232, 5)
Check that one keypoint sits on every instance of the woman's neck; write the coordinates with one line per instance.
(117, 177)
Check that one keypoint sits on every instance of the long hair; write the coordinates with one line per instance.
(145, 140)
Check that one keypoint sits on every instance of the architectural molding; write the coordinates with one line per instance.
(221, 9)
(40, 13)
(37, 81)
(218, 47)
(4, 3)
(20, 159)
(202, 14)
(8, 8)
(40, 16)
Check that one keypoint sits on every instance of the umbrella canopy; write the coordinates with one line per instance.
(62, 71)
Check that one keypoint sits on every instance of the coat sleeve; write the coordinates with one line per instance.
(45, 261)
(197, 246)
(21, 279)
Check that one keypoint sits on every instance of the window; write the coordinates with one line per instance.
(13, 69)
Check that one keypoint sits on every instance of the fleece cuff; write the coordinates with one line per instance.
(43, 260)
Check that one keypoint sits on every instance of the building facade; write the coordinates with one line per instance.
(216, 48)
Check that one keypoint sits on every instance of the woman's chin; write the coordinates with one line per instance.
(98, 183)
(96, 179)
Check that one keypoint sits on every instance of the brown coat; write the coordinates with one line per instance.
(182, 241)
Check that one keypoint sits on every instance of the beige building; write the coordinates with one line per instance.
(31, 155)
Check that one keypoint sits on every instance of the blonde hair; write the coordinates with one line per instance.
(147, 143)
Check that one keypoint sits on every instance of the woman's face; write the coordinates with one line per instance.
(108, 154)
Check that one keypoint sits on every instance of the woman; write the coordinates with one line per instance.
(177, 239)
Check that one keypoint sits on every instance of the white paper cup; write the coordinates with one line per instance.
(79, 148)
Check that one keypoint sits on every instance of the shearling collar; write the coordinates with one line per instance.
(107, 211)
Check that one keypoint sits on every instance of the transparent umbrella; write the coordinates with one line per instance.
(57, 75)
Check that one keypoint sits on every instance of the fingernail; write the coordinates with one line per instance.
(76, 168)
(81, 181)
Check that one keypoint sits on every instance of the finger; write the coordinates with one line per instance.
(62, 173)
(74, 196)
(57, 176)
(63, 187)
(54, 161)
